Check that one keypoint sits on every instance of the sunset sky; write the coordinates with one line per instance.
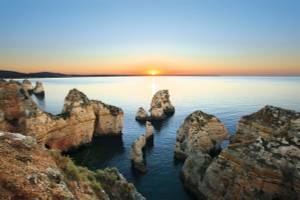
(223, 37)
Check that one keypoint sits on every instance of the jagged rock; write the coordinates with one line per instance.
(149, 130)
(109, 119)
(39, 89)
(141, 115)
(261, 162)
(199, 132)
(75, 126)
(161, 106)
(49, 175)
(27, 86)
(137, 156)
(116, 186)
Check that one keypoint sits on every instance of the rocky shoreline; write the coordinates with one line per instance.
(261, 162)
(30, 166)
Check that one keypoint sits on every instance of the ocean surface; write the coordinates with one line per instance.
(228, 98)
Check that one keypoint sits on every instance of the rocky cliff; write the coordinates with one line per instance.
(161, 106)
(109, 119)
(261, 162)
(199, 132)
(74, 126)
(29, 171)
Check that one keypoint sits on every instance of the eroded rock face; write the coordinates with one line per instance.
(39, 89)
(261, 162)
(199, 132)
(137, 156)
(75, 126)
(29, 171)
(109, 119)
(161, 106)
(27, 86)
(141, 115)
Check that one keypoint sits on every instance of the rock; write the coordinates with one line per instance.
(149, 131)
(141, 115)
(77, 122)
(27, 86)
(161, 106)
(137, 156)
(116, 186)
(199, 132)
(261, 162)
(39, 89)
(49, 175)
(109, 119)
(73, 127)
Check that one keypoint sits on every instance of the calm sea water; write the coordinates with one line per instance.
(228, 98)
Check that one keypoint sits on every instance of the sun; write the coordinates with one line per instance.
(153, 72)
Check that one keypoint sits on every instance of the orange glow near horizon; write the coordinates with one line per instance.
(153, 72)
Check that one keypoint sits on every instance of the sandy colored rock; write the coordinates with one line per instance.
(39, 89)
(161, 106)
(199, 132)
(149, 131)
(141, 115)
(261, 162)
(109, 119)
(137, 155)
(27, 86)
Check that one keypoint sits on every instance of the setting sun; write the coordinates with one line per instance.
(153, 72)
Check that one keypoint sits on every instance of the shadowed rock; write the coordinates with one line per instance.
(39, 89)
(141, 115)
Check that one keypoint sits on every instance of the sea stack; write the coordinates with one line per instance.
(137, 155)
(199, 132)
(141, 115)
(161, 106)
(39, 89)
(261, 161)
(109, 119)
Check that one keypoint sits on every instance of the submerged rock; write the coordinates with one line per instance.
(39, 89)
(199, 132)
(109, 119)
(141, 115)
(161, 106)
(261, 162)
(27, 86)
(137, 155)
(29, 171)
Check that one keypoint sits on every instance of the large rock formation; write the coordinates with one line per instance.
(261, 162)
(39, 89)
(161, 106)
(27, 86)
(28, 171)
(109, 119)
(137, 155)
(73, 127)
(199, 132)
(141, 115)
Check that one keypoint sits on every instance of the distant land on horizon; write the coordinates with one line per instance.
(15, 74)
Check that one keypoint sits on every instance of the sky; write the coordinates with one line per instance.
(195, 37)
